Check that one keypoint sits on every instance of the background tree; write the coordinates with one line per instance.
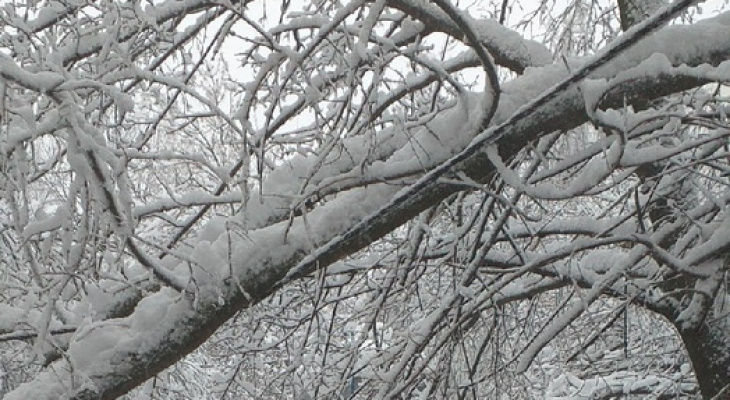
(384, 199)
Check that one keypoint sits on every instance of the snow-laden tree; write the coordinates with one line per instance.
(379, 199)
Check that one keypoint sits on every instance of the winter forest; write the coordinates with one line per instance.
(364, 199)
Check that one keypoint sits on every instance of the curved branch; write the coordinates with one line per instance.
(259, 264)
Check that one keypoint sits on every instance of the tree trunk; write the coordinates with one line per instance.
(708, 345)
(709, 350)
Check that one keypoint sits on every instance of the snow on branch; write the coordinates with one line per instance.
(364, 176)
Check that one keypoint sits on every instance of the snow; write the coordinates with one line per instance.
(590, 176)
(95, 345)
(47, 15)
(97, 348)
(186, 199)
(214, 228)
(569, 386)
(410, 148)
(123, 101)
(10, 318)
(91, 344)
(273, 185)
(42, 82)
(511, 43)
(45, 386)
(100, 347)
(715, 245)
(47, 224)
(619, 263)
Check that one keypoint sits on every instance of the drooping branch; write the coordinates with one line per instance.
(167, 325)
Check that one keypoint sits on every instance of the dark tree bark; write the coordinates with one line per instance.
(266, 263)
(708, 348)
(707, 341)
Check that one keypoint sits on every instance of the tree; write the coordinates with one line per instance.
(396, 182)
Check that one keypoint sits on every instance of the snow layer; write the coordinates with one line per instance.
(103, 350)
